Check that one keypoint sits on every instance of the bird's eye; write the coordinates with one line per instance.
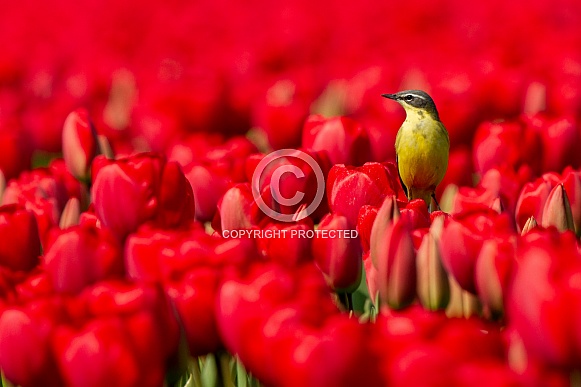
(408, 97)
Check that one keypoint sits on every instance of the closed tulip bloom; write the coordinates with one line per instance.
(433, 287)
(545, 284)
(572, 185)
(492, 273)
(80, 145)
(26, 355)
(395, 261)
(81, 255)
(462, 240)
(557, 210)
(194, 299)
(532, 198)
(287, 243)
(140, 188)
(350, 188)
(338, 256)
(19, 239)
(344, 139)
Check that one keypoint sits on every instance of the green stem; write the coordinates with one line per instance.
(223, 366)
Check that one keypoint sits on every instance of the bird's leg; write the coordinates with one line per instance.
(436, 201)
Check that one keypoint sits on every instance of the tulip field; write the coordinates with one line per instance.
(205, 193)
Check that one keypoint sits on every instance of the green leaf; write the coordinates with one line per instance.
(210, 372)
(241, 375)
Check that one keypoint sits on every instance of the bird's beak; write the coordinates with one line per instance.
(390, 96)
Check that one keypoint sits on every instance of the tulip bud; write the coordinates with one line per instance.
(492, 271)
(448, 197)
(462, 303)
(336, 254)
(19, 241)
(386, 215)
(396, 265)
(497, 205)
(557, 210)
(532, 199)
(237, 208)
(433, 286)
(2, 184)
(105, 147)
(80, 144)
(530, 225)
(370, 277)
(71, 214)
(572, 183)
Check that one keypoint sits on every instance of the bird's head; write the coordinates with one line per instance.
(416, 101)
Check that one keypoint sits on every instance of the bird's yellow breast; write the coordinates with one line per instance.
(422, 147)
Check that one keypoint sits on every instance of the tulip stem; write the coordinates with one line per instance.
(346, 300)
(575, 378)
(223, 367)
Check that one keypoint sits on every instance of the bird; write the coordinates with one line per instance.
(422, 146)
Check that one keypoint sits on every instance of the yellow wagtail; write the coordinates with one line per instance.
(422, 145)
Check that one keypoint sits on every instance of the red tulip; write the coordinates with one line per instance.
(365, 220)
(194, 298)
(350, 188)
(80, 144)
(532, 199)
(45, 192)
(432, 280)
(82, 255)
(462, 240)
(284, 108)
(395, 261)
(572, 183)
(288, 244)
(492, 272)
(337, 253)
(16, 155)
(238, 210)
(163, 255)
(26, 358)
(291, 184)
(416, 213)
(208, 186)
(245, 306)
(133, 321)
(559, 137)
(345, 140)
(19, 242)
(337, 356)
(545, 284)
(506, 144)
(131, 191)
(557, 210)
(459, 170)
